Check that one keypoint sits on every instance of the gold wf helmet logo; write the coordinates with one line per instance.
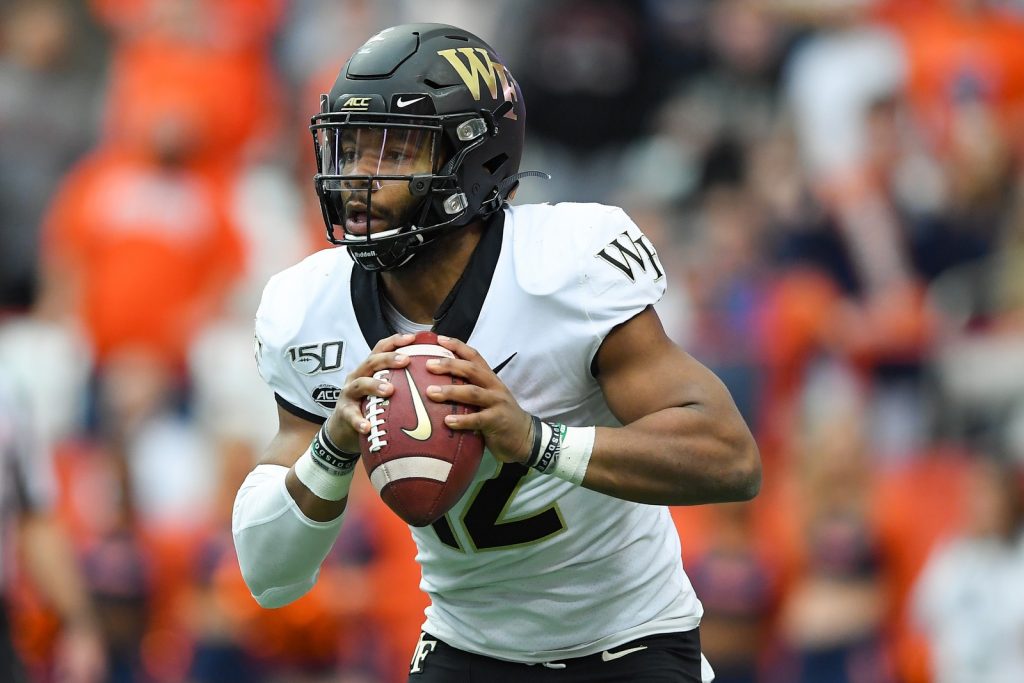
(357, 103)
(474, 65)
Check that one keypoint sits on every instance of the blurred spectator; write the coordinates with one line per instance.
(591, 74)
(806, 169)
(136, 224)
(843, 83)
(171, 468)
(965, 54)
(48, 113)
(318, 34)
(52, 364)
(966, 97)
(117, 576)
(834, 80)
(832, 617)
(209, 59)
(916, 189)
(915, 504)
(979, 362)
(233, 25)
(590, 69)
(351, 628)
(738, 587)
(26, 505)
(141, 490)
(727, 283)
(707, 119)
(740, 83)
(968, 599)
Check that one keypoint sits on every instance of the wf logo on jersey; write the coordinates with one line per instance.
(478, 66)
(312, 359)
(625, 252)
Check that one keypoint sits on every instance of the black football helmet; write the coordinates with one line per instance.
(425, 110)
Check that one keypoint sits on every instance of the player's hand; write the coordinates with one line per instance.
(507, 429)
(347, 422)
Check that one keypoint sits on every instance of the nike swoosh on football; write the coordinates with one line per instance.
(405, 103)
(497, 368)
(422, 430)
(608, 656)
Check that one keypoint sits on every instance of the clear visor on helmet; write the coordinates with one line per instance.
(376, 175)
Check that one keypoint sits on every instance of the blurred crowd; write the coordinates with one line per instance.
(835, 189)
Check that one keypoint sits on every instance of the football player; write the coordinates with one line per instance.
(561, 560)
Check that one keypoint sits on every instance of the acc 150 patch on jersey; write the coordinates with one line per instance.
(312, 359)
(326, 395)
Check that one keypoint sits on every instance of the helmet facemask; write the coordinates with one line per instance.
(388, 183)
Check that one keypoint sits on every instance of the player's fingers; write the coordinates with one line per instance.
(460, 348)
(393, 342)
(472, 372)
(492, 420)
(352, 415)
(376, 362)
(466, 421)
(351, 401)
(375, 385)
(466, 394)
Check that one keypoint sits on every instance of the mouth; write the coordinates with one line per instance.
(359, 222)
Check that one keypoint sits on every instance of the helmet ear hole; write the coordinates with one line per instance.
(494, 163)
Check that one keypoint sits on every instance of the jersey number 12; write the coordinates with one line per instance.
(484, 517)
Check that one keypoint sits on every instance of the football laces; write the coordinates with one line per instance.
(374, 409)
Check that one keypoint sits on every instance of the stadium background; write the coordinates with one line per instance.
(835, 189)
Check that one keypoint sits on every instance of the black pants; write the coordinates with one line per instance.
(10, 665)
(664, 658)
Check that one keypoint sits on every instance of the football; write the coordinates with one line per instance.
(418, 465)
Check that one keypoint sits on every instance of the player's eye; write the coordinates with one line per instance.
(396, 155)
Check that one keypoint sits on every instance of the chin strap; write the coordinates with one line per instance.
(491, 205)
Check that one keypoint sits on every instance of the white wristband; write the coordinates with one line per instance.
(322, 483)
(566, 453)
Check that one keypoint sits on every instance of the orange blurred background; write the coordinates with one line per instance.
(835, 190)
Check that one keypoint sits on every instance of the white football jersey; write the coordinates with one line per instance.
(526, 567)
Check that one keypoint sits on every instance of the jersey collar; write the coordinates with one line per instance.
(460, 310)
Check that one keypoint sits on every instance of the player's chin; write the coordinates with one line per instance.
(355, 227)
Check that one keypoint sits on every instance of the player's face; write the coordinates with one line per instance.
(375, 202)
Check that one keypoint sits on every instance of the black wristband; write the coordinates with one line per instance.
(326, 438)
(548, 456)
(535, 451)
(329, 457)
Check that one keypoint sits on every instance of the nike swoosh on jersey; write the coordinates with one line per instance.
(497, 368)
(422, 430)
(608, 655)
(405, 103)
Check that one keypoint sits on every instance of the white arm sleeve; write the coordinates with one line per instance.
(279, 549)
